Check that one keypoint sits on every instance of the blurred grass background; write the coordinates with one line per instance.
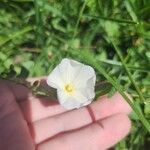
(36, 34)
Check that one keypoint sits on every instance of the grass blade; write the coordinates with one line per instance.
(130, 10)
(39, 25)
(119, 64)
(80, 15)
(15, 34)
(111, 19)
(90, 59)
(128, 72)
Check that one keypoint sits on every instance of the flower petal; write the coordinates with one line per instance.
(85, 78)
(69, 69)
(75, 100)
(71, 104)
(54, 79)
(62, 96)
(89, 93)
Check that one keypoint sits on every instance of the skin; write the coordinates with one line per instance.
(28, 122)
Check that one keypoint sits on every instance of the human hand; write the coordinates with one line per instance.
(28, 122)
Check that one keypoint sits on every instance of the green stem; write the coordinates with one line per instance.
(91, 60)
(128, 72)
(114, 83)
(78, 21)
(111, 19)
(119, 64)
(39, 25)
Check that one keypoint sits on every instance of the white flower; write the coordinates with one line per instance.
(74, 82)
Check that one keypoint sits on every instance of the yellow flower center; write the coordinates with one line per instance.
(68, 88)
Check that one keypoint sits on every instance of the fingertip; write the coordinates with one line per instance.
(121, 123)
(117, 100)
(115, 128)
(124, 104)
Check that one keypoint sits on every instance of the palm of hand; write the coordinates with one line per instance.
(27, 122)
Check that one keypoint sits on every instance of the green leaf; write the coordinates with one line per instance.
(15, 34)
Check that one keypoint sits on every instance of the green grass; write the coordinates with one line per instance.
(112, 36)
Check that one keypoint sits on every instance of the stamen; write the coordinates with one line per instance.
(68, 88)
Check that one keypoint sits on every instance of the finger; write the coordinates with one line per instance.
(20, 92)
(36, 108)
(51, 126)
(99, 135)
(39, 108)
(14, 132)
